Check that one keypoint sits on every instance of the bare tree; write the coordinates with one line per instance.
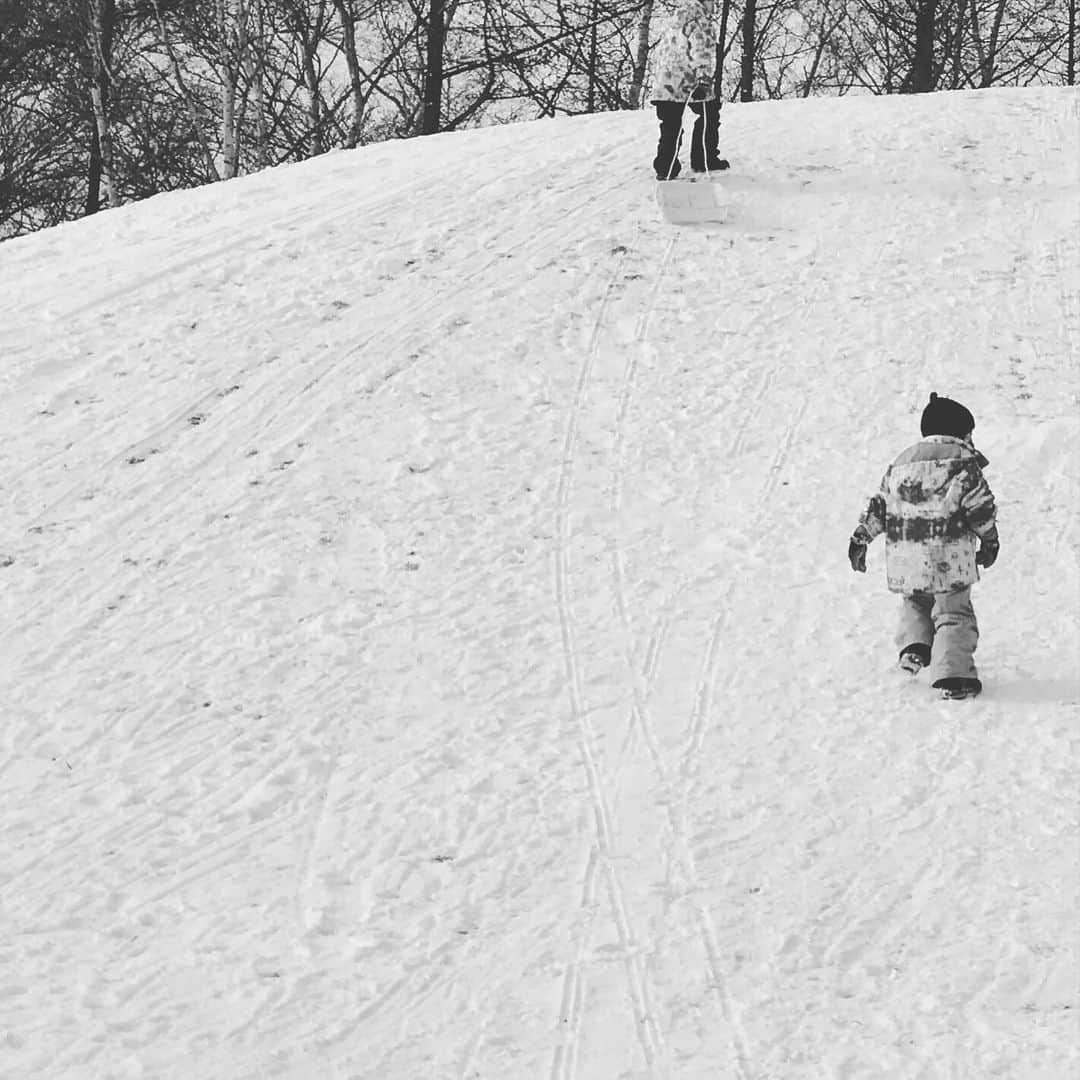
(103, 101)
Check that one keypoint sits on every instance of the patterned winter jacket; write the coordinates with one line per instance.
(685, 57)
(933, 506)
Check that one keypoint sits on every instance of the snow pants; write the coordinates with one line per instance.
(704, 142)
(946, 623)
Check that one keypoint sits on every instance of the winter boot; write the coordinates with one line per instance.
(913, 658)
(666, 163)
(956, 688)
(713, 165)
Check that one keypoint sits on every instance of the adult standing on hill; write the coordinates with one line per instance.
(685, 75)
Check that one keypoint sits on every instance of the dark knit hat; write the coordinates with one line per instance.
(943, 416)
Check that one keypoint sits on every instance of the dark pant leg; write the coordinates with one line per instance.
(670, 114)
(705, 142)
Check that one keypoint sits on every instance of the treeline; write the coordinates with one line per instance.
(107, 101)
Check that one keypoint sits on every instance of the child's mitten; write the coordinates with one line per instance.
(856, 551)
(988, 549)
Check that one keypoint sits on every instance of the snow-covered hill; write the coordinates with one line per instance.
(427, 646)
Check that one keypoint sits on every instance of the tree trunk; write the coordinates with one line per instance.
(93, 173)
(641, 56)
(721, 49)
(989, 63)
(315, 102)
(253, 71)
(1070, 61)
(431, 116)
(958, 44)
(352, 62)
(920, 79)
(230, 144)
(749, 34)
(590, 98)
(101, 174)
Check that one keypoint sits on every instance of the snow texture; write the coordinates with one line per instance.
(427, 643)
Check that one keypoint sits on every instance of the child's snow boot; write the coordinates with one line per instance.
(913, 658)
(956, 688)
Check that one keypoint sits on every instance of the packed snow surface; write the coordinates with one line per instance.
(427, 643)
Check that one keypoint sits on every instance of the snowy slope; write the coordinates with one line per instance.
(428, 650)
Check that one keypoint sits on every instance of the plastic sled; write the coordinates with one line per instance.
(692, 200)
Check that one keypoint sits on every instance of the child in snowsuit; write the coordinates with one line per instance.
(685, 64)
(938, 516)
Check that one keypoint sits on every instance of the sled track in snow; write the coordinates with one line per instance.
(312, 834)
(640, 714)
(565, 1063)
(687, 770)
(420, 985)
(681, 781)
(654, 646)
(677, 783)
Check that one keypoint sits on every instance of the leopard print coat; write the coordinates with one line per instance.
(685, 57)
